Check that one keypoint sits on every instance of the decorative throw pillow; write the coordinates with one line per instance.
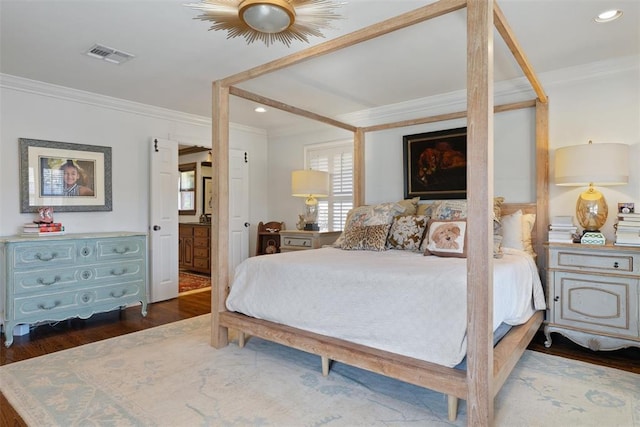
(361, 216)
(406, 232)
(426, 209)
(528, 220)
(512, 230)
(446, 238)
(410, 205)
(366, 238)
(451, 209)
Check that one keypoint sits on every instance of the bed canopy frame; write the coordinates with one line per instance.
(487, 367)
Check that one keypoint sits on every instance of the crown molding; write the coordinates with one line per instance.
(21, 84)
(504, 92)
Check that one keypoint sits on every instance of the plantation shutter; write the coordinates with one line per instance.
(338, 161)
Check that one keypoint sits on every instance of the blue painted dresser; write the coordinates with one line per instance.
(55, 278)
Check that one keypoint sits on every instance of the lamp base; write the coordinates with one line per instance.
(592, 238)
(312, 227)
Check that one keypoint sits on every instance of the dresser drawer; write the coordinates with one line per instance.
(52, 255)
(52, 306)
(201, 232)
(201, 263)
(200, 242)
(201, 253)
(120, 248)
(90, 275)
(301, 242)
(594, 261)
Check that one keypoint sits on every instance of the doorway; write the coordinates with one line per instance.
(194, 220)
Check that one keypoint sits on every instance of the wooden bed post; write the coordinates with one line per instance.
(220, 217)
(358, 167)
(542, 182)
(480, 198)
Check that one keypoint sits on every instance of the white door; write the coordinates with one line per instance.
(238, 208)
(163, 220)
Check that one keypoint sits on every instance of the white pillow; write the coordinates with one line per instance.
(516, 231)
(512, 230)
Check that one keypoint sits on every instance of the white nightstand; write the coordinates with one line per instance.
(593, 294)
(297, 240)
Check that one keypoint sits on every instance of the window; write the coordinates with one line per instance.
(337, 159)
(187, 189)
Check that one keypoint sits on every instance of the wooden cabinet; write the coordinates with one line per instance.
(593, 294)
(194, 247)
(74, 275)
(268, 240)
(302, 240)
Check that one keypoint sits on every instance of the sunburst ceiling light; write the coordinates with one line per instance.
(268, 20)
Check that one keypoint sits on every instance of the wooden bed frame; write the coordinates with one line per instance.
(487, 367)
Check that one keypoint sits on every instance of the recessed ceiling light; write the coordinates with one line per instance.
(608, 15)
(260, 110)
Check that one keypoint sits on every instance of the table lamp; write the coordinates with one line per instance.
(589, 164)
(310, 184)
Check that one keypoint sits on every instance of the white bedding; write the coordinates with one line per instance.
(398, 301)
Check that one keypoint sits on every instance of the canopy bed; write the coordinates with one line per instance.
(487, 367)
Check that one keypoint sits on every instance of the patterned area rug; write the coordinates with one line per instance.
(191, 282)
(170, 376)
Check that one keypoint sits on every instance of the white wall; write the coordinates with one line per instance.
(598, 101)
(604, 108)
(36, 110)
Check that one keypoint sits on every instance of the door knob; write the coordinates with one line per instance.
(156, 227)
(246, 224)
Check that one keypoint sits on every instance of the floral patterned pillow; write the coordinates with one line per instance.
(407, 232)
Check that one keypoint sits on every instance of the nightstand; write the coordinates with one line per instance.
(297, 240)
(593, 294)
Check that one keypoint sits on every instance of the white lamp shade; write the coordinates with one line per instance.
(598, 164)
(306, 183)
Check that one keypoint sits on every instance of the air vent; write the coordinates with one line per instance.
(108, 54)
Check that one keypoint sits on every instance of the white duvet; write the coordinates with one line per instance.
(398, 301)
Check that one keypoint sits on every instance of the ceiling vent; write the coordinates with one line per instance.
(108, 54)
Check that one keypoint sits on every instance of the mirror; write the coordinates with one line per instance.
(187, 189)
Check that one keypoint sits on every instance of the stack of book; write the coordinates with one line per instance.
(562, 229)
(43, 229)
(628, 229)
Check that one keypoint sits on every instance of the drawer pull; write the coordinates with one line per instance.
(114, 273)
(42, 282)
(121, 252)
(120, 295)
(615, 264)
(85, 252)
(86, 274)
(556, 299)
(50, 307)
(305, 243)
(41, 258)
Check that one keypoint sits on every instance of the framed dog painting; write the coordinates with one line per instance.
(435, 165)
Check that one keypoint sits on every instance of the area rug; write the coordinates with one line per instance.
(191, 282)
(171, 376)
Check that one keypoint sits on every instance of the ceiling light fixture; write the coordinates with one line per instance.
(260, 110)
(268, 20)
(608, 16)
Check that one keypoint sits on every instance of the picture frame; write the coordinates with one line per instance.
(626, 207)
(435, 164)
(66, 176)
(207, 195)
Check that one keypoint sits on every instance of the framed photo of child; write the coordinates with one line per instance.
(69, 177)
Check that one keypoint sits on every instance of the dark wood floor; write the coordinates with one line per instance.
(71, 333)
